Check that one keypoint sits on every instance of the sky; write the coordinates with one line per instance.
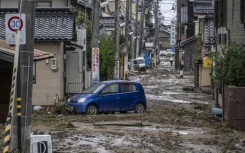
(166, 10)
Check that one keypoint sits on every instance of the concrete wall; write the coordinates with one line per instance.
(204, 76)
(236, 28)
(49, 83)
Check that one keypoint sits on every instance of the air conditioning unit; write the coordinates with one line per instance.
(41, 144)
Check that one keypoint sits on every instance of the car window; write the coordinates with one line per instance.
(128, 87)
(142, 61)
(113, 88)
(94, 88)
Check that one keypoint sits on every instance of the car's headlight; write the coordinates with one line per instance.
(69, 100)
(81, 100)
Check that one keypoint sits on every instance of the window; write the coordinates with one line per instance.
(44, 3)
(113, 88)
(128, 88)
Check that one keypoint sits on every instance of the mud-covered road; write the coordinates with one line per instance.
(177, 120)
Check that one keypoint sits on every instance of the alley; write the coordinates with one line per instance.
(177, 119)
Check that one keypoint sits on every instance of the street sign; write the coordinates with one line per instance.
(14, 22)
(95, 65)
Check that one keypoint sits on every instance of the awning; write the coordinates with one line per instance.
(7, 52)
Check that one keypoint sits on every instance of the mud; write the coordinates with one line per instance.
(177, 120)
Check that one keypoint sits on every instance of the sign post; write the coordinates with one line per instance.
(116, 70)
(14, 22)
(95, 65)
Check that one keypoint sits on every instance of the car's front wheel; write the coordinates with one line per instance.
(92, 109)
(139, 108)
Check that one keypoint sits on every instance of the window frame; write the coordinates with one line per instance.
(132, 84)
(109, 93)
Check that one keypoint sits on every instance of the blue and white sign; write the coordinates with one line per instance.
(14, 22)
(173, 49)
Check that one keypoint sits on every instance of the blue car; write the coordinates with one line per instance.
(110, 96)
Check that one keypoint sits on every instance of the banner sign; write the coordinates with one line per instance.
(95, 65)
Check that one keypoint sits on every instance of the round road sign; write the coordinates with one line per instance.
(15, 23)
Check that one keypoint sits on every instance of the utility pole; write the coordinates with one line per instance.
(136, 52)
(126, 42)
(117, 37)
(142, 26)
(156, 33)
(132, 30)
(157, 26)
(177, 54)
(95, 42)
(28, 7)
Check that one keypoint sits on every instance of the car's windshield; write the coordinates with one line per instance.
(141, 61)
(94, 88)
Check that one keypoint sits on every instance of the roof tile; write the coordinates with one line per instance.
(52, 24)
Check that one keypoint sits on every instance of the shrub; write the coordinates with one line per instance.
(229, 68)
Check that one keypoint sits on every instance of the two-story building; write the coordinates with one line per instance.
(229, 23)
(197, 22)
(55, 33)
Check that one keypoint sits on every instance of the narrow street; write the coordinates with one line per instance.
(177, 119)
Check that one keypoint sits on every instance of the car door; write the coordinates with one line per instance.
(128, 96)
(109, 97)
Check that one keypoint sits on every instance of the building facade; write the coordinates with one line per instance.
(55, 33)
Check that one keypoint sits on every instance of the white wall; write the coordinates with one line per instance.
(9, 3)
(60, 3)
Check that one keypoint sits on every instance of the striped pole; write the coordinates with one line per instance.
(8, 126)
(19, 123)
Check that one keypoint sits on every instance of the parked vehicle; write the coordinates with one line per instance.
(139, 64)
(110, 96)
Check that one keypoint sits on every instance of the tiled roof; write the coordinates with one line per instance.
(203, 7)
(209, 31)
(108, 22)
(50, 24)
(38, 54)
